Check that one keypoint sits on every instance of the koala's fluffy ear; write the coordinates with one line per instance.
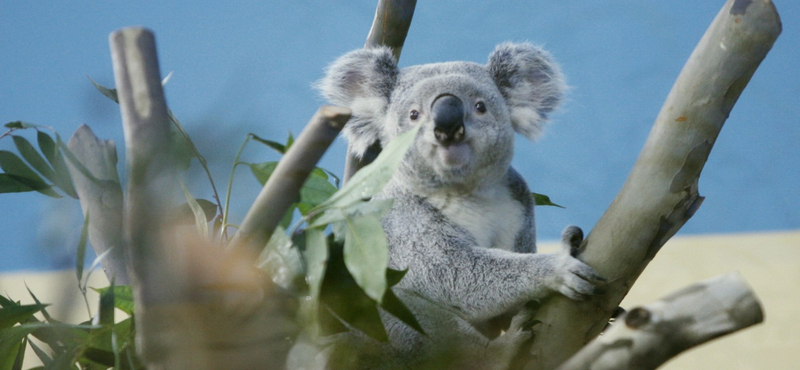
(361, 80)
(531, 83)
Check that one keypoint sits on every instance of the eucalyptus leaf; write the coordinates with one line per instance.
(46, 145)
(29, 153)
(123, 297)
(398, 309)
(18, 184)
(278, 147)
(262, 171)
(316, 189)
(105, 314)
(13, 165)
(11, 315)
(543, 200)
(109, 93)
(374, 208)
(43, 356)
(371, 179)
(20, 125)
(316, 258)
(281, 260)
(315, 254)
(184, 214)
(80, 255)
(366, 254)
(343, 303)
(44, 312)
(200, 221)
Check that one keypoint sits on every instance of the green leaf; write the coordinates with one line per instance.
(183, 214)
(105, 313)
(33, 157)
(366, 254)
(262, 171)
(46, 314)
(278, 147)
(373, 208)
(109, 93)
(19, 125)
(316, 258)
(17, 184)
(543, 200)
(316, 189)
(398, 309)
(343, 301)
(123, 297)
(81, 253)
(281, 260)
(43, 357)
(289, 141)
(315, 253)
(46, 145)
(12, 315)
(61, 176)
(200, 221)
(393, 276)
(371, 179)
(13, 165)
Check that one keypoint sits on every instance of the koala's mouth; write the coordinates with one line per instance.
(454, 156)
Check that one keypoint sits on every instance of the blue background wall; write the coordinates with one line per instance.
(247, 66)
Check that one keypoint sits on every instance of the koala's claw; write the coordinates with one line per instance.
(571, 239)
(519, 329)
(575, 279)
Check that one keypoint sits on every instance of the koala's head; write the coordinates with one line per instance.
(468, 111)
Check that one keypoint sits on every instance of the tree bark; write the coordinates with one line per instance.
(648, 336)
(102, 201)
(155, 269)
(389, 28)
(661, 192)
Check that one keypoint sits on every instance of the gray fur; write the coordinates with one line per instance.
(462, 221)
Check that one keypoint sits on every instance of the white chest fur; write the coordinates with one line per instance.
(492, 216)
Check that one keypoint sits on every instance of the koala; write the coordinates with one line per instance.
(462, 220)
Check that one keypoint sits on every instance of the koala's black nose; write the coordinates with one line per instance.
(448, 118)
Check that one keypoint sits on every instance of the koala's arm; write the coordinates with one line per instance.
(444, 265)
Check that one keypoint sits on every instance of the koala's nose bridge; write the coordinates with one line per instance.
(448, 118)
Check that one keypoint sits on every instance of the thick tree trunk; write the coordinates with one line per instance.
(102, 200)
(661, 193)
(648, 336)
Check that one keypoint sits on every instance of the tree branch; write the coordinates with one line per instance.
(661, 194)
(101, 200)
(389, 28)
(648, 336)
(155, 270)
(283, 187)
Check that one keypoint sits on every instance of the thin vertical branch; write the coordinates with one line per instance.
(151, 182)
(661, 193)
(389, 28)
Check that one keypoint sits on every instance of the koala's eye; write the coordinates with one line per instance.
(414, 115)
(480, 107)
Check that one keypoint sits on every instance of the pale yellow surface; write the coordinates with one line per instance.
(769, 262)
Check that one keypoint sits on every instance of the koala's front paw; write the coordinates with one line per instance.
(573, 278)
(503, 348)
